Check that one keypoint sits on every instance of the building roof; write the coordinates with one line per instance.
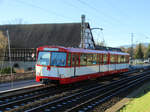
(35, 35)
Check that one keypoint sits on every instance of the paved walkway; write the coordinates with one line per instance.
(17, 84)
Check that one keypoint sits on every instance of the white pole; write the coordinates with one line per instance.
(82, 31)
(10, 59)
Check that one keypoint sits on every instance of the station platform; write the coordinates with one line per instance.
(16, 85)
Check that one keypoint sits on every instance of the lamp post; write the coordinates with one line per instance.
(101, 29)
(10, 59)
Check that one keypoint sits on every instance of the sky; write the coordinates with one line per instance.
(118, 18)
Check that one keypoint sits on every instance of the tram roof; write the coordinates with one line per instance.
(95, 51)
(78, 50)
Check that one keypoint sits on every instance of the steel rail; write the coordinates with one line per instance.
(91, 103)
(102, 89)
(12, 100)
(27, 97)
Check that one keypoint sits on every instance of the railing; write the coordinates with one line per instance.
(20, 54)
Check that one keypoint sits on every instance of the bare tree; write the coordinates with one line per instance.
(3, 45)
(16, 21)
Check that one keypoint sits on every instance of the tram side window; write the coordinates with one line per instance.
(83, 59)
(69, 59)
(98, 58)
(119, 59)
(101, 58)
(75, 57)
(94, 59)
(126, 59)
(105, 57)
(122, 59)
(89, 59)
(112, 59)
(116, 59)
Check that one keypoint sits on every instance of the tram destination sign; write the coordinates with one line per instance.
(51, 49)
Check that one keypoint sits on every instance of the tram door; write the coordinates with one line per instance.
(100, 61)
(75, 62)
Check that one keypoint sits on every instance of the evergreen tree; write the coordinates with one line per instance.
(148, 52)
(139, 53)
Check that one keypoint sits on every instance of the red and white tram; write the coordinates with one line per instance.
(63, 65)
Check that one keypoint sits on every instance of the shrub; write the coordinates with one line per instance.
(6, 70)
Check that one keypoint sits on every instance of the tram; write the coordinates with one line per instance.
(64, 65)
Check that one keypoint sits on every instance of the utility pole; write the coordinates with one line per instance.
(10, 58)
(131, 48)
(82, 31)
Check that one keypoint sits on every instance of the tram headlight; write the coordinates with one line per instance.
(38, 73)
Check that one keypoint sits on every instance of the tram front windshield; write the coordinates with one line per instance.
(52, 58)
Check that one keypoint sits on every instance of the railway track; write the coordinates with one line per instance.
(10, 98)
(8, 103)
(88, 99)
(14, 101)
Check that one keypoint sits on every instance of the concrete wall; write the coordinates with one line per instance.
(22, 65)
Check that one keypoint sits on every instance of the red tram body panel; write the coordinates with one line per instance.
(63, 65)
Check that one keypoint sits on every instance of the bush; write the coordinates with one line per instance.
(6, 70)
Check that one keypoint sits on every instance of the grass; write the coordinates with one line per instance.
(140, 103)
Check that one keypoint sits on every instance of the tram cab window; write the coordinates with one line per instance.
(43, 58)
(58, 59)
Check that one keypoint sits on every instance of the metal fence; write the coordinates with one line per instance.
(19, 54)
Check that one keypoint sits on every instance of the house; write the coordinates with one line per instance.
(25, 38)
